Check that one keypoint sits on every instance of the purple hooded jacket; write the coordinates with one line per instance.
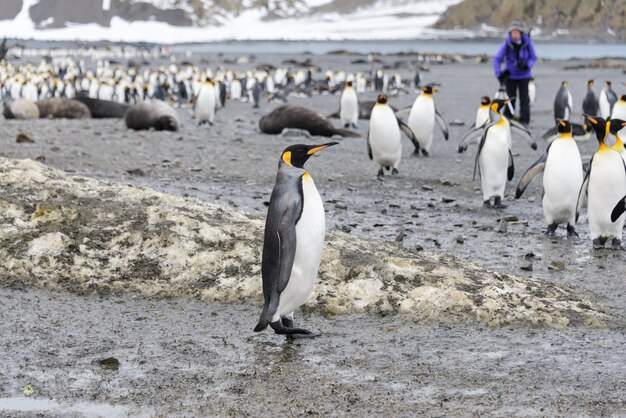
(507, 53)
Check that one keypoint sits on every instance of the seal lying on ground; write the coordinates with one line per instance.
(298, 117)
(63, 108)
(20, 109)
(152, 114)
(101, 109)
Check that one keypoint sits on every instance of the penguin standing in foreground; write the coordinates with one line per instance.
(604, 185)
(562, 177)
(349, 106)
(607, 100)
(494, 159)
(619, 108)
(422, 119)
(384, 144)
(294, 237)
(206, 103)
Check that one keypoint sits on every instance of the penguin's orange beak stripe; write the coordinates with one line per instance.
(314, 150)
(592, 120)
(562, 123)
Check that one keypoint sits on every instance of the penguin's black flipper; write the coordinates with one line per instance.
(442, 124)
(511, 170)
(583, 191)
(369, 147)
(537, 167)
(549, 133)
(473, 132)
(618, 209)
(409, 133)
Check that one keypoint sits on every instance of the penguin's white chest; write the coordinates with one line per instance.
(422, 120)
(384, 137)
(562, 178)
(494, 162)
(349, 107)
(310, 231)
(205, 105)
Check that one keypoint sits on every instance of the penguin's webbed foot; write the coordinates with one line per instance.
(551, 231)
(497, 203)
(487, 204)
(287, 322)
(346, 125)
(416, 153)
(571, 231)
(281, 329)
(598, 243)
(616, 244)
(381, 174)
(394, 171)
(425, 153)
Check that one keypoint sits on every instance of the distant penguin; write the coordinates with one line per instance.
(349, 106)
(255, 95)
(384, 144)
(235, 89)
(422, 119)
(562, 177)
(607, 100)
(563, 103)
(619, 109)
(494, 160)
(532, 90)
(206, 103)
(590, 105)
(604, 185)
(294, 238)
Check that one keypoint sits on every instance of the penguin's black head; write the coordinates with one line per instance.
(564, 83)
(590, 83)
(485, 100)
(382, 99)
(349, 83)
(498, 104)
(599, 126)
(608, 83)
(297, 155)
(430, 88)
(563, 127)
(616, 125)
(623, 98)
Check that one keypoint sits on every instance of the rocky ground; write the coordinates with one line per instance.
(188, 357)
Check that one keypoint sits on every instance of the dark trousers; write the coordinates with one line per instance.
(512, 87)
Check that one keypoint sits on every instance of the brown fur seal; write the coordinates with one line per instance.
(298, 117)
(21, 109)
(101, 109)
(152, 114)
(63, 108)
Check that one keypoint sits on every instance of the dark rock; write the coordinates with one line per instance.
(23, 138)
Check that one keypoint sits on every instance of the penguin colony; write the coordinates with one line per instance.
(148, 98)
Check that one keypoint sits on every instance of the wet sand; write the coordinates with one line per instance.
(190, 358)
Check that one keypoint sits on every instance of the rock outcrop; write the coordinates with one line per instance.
(81, 235)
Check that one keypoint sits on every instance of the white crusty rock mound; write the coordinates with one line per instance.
(71, 233)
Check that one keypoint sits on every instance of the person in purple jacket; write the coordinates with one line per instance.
(518, 53)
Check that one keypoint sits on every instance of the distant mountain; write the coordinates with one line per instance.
(203, 20)
(603, 19)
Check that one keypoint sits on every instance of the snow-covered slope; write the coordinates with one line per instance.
(174, 21)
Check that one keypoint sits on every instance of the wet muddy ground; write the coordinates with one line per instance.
(190, 358)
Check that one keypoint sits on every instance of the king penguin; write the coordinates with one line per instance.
(619, 108)
(604, 185)
(607, 100)
(384, 144)
(482, 118)
(294, 237)
(562, 177)
(494, 159)
(563, 103)
(206, 103)
(422, 119)
(349, 106)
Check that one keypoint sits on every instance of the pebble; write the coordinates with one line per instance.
(459, 239)
(23, 138)
(556, 265)
(503, 226)
(527, 267)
